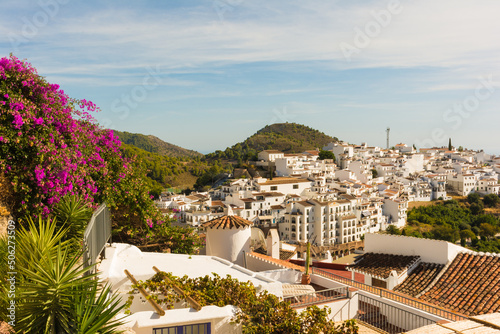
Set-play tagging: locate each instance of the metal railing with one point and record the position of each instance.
(317, 297)
(389, 318)
(96, 235)
(400, 298)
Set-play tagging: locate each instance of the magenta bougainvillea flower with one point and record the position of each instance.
(51, 146)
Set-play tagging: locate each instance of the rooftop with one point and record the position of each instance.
(282, 263)
(140, 264)
(486, 324)
(283, 180)
(470, 285)
(381, 265)
(419, 279)
(227, 222)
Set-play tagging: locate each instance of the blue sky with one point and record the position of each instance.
(207, 74)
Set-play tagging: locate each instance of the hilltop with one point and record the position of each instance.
(285, 137)
(169, 165)
(154, 144)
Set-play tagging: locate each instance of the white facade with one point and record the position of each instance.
(396, 210)
(433, 251)
(464, 184)
(339, 149)
(229, 243)
(330, 223)
(284, 185)
(270, 155)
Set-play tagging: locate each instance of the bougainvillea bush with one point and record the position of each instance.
(51, 146)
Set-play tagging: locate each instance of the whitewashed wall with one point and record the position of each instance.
(435, 251)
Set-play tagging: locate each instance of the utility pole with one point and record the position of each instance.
(388, 130)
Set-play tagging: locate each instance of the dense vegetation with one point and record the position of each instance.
(259, 313)
(51, 148)
(284, 137)
(51, 294)
(166, 172)
(155, 145)
(452, 220)
(168, 165)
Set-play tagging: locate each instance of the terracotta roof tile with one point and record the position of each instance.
(286, 254)
(227, 222)
(470, 285)
(419, 279)
(381, 265)
(284, 180)
(282, 263)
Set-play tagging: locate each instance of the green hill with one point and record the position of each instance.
(165, 171)
(155, 145)
(285, 137)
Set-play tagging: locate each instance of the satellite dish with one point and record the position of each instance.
(257, 238)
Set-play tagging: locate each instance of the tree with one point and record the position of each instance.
(473, 198)
(446, 233)
(326, 155)
(392, 229)
(491, 200)
(477, 208)
(374, 173)
(466, 235)
(450, 147)
(488, 230)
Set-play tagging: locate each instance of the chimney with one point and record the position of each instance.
(273, 243)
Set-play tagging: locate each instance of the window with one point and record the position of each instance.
(186, 329)
(274, 187)
(295, 186)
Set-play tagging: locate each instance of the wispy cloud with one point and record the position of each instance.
(430, 51)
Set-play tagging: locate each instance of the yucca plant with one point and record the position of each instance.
(52, 295)
(95, 310)
(73, 214)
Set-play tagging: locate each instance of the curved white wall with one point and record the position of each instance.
(229, 244)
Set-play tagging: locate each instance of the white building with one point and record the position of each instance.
(396, 210)
(464, 184)
(285, 185)
(270, 155)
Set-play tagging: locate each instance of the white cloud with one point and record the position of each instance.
(449, 33)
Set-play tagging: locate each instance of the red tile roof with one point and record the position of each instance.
(346, 274)
(279, 262)
(419, 279)
(227, 222)
(286, 254)
(470, 285)
(283, 180)
(381, 265)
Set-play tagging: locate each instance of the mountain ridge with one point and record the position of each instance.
(156, 145)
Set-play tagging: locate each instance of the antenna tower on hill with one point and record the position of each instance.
(388, 130)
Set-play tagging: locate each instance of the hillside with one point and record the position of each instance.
(165, 171)
(285, 137)
(154, 144)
